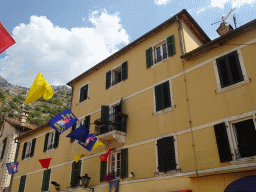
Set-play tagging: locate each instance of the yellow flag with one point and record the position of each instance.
(77, 157)
(39, 88)
(97, 144)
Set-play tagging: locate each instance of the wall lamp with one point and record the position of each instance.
(57, 186)
(131, 174)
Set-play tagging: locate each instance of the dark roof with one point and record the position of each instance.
(16, 123)
(222, 40)
(183, 14)
(32, 131)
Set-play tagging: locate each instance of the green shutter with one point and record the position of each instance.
(87, 121)
(171, 45)
(72, 129)
(24, 150)
(124, 70)
(46, 141)
(121, 105)
(166, 94)
(108, 79)
(161, 155)
(170, 160)
(56, 140)
(124, 163)
(4, 146)
(83, 93)
(22, 183)
(159, 101)
(104, 114)
(46, 180)
(222, 142)
(33, 147)
(149, 57)
(103, 170)
(75, 174)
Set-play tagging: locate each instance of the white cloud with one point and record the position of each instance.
(58, 53)
(200, 10)
(234, 3)
(161, 2)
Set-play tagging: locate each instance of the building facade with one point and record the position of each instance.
(177, 109)
(10, 129)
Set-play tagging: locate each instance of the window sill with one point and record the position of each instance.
(160, 62)
(113, 86)
(172, 172)
(242, 161)
(26, 159)
(164, 110)
(233, 86)
(83, 101)
(50, 150)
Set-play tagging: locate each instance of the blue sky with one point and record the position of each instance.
(61, 39)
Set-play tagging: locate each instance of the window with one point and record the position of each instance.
(83, 93)
(229, 69)
(160, 51)
(22, 183)
(116, 165)
(117, 75)
(4, 146)
(72, 129)
(75, 173)
(166, 154)
(240, 140)
(162, 96)
(28, 149)
(46, 180)
(51, 141)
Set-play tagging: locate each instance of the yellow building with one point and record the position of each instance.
(178, 108)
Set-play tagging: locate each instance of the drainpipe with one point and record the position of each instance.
(71, 97)
(181, 36)
(15, 159)
(190, 122)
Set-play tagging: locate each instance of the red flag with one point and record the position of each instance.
(104, 157)
(6, 39)
(45, 162)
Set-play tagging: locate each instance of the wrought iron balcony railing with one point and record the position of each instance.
(116, 121)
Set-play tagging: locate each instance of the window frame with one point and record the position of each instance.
(113, 69)
(174, 135)
(232, 137)
(49, 143)
(243, 69)
(109, 168)
(88, 83)
(28, 150)
(171, 98)
(156, 45)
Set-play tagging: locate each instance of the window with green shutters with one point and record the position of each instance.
(166, 154)
(22, 183)
(161, 51)
(75, 173)
(87, 121)
(4, 146)
(46, 180)
(115, 76)
(229, 69)
(162, 96)
(83, 93)
(51, 140)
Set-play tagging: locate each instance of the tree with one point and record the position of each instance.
(37, 108)
(16, 99)
(2, 95)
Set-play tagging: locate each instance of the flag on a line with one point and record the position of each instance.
(6, 39)
(45, 162)
(113, 186)
(98, 144)
(80, 134)
(89, 143)
(104, 157)
(78, 157)
(12, 167)
(63, 121)
(39, 88)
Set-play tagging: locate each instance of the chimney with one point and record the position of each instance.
(224, 28)
(23, 115)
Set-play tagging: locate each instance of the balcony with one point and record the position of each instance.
(113, 128)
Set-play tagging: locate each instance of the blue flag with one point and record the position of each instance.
(113, 186)
(89, 143)
(63, 121)
(12, 167)
(80, 134)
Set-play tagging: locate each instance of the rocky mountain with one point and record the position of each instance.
(40, 111)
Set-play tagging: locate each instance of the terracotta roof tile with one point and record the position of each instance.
(18, 123)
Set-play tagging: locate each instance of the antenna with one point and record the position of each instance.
(224, 17)
(234, 18)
